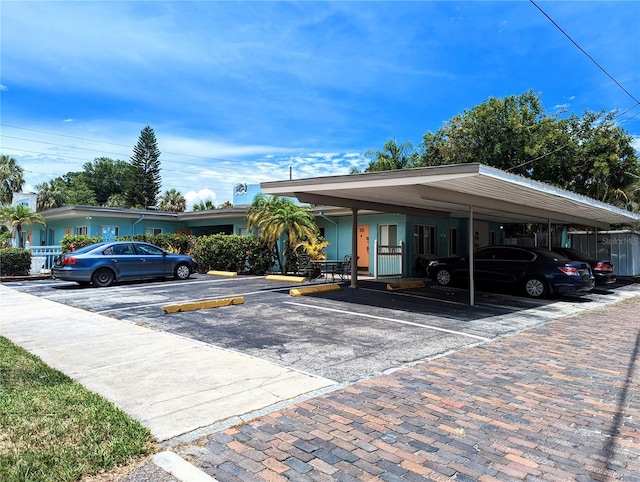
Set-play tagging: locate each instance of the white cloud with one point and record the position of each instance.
(4, 87)
(194, 197)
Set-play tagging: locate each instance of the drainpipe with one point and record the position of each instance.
(133, 226)
(336, 225)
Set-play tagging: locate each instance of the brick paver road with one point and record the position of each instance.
(558, 402)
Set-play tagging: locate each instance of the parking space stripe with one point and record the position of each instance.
(162, 303)
(384, 318)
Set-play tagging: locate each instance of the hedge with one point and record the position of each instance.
(15, 262)
(241, 254)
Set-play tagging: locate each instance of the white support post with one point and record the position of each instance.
(472, 287)
(354, 249)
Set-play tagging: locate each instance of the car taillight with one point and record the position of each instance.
(600, 266)
(69, 260)
(569, 270)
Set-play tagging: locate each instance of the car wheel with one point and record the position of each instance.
(182, 271)
(103, 277)
(443, 277)
(535, 287)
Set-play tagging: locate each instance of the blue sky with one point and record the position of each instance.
(242, 91)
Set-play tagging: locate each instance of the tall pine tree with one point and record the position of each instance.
(144, 181)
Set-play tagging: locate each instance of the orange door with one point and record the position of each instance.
(363, 246)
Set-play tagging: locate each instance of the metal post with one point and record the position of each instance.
(354, 248)
(549, 234)
(472, 287)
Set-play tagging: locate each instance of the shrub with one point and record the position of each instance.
(241, 254)
(72, 242)
(174, 243)
(15, 262)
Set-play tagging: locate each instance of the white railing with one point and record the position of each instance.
(387, 260)
(42, 257)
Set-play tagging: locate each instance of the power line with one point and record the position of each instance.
(585, 53)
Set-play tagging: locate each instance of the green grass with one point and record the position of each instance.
(53, 429)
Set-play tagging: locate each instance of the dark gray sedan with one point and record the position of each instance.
(104, 263)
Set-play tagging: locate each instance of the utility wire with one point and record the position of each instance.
(585, 53)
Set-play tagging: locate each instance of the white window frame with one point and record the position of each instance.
(152, 231)
(81, 230)
(388, 235)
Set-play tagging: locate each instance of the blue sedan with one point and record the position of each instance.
(104, 263)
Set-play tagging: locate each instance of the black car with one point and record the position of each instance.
(603, 270)
(537, 272)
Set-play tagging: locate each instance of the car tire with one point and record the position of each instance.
(536, 287)
(182, 271)
(103, 277)
(443, 277)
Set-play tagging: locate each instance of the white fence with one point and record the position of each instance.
(387, 260)
(42, 257)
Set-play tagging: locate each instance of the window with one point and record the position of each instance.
(424, 239)
(453, 241)
(109, 233)
(388, 235)
(153, 231)
(242, 231)
(82, 230)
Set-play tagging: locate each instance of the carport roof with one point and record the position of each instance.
(449, 191)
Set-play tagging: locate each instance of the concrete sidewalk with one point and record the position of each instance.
(171, 384)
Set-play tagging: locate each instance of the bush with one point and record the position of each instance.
(241, 254)
(72, 242)
(15, 262)
(177, 243)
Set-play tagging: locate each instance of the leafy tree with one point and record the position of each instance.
(204, 206)
(590, 155)
(70, 189)
(16, 216)
(275, 216)
(11, 178)
(173, 201)
(226, 205)
(392, 156)
(143, 180)
(105, 177)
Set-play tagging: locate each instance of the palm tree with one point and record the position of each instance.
(11, 178)
(392, 156)
(49, 196)
(15, 216)
(274, 216)
(204, 205)
(173, 201)
(226, 205)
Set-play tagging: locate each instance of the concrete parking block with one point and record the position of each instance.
(312, 290)
(405, 285)
(229, 274)
(293, 279)
(203, 305)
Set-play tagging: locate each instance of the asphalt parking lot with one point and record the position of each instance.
(343, 336)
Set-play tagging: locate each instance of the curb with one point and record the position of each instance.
(405, 285)
(229, 274)
(310, 290)
(281, 277)
(203, 305)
